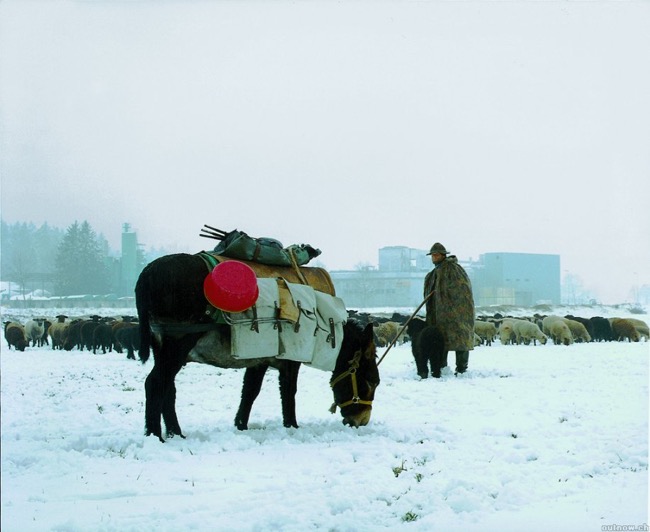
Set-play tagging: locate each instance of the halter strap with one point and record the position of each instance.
(352, 372)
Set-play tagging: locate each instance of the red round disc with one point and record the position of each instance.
(231, 286)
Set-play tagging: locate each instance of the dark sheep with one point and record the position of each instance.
(15, 335)
(126, 321)
(72, 335)
(87, 331)
(399, 318)
(103, 336)
(43, 340)
(129, 338)
(602, 329)
(428, 348)
(624, 329)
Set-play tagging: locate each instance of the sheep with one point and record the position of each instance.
(15, 335)
(506, 334)
(578, 330)
(561, 333)
(641, 327)
(556, 328)
(57, 331)
(428, 348)
(547, 321)
(129, 337)
(526, 331)
(103, 336)
(46, 327)
(124, 321)
(588, 325)
(624, 329)
(477, 340)
(386, 333)
(72, 336)
(602, 329)
(486, 330)
(87, 330)
(34, 330)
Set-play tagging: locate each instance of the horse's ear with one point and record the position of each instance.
(367, 336)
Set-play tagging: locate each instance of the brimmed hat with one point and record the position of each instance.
(438, 248)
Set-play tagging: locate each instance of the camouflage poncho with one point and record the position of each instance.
(451, 307)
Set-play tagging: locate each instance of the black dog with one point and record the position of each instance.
(428, 346)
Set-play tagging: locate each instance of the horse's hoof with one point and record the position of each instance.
(151, 433)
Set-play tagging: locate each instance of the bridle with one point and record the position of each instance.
(352, 373)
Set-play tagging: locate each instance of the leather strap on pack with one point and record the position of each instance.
(294, 263)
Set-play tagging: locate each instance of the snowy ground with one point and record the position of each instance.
(532, 438)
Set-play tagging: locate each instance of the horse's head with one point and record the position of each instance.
(355, 377)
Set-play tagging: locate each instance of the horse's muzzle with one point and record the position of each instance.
(358, 419)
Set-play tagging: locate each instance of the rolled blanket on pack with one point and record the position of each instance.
(238, 245)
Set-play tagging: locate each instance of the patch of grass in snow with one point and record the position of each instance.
(397, 471)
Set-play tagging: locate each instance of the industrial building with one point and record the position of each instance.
(521, 279)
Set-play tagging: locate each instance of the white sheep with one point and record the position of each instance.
(526, 331)
(386, 333)
(34, 330)
(578, 330)
(506, 333)
(486, 330)
(556, 328)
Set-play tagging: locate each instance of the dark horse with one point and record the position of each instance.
(428, 347)
(173, 322)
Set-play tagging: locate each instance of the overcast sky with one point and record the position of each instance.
(488, 126)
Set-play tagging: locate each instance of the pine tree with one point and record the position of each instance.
(80, 262)
(28, 253)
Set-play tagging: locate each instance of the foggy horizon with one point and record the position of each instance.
(516, 127)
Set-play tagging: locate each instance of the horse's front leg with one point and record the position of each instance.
(288, 388)
(253, 379)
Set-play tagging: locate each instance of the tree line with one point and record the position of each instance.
(64, 262)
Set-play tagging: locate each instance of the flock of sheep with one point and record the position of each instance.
(561, 330)
(121, 333)
(93, 333)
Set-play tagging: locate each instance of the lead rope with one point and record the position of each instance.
(404, 327)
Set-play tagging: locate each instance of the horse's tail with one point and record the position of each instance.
(142, 304)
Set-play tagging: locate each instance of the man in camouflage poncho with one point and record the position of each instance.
(451, 305)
